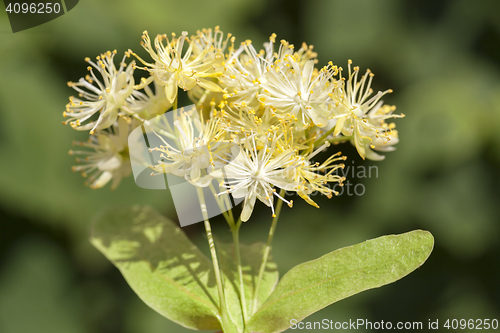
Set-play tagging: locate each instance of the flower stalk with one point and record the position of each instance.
(236, 240)
(265, 255)
(226, 322)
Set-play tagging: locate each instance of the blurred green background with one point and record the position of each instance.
(441, 58)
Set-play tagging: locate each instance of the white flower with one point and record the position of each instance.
(317, 177)
(381, 142)
(190, 146)
(107, 158)
(205, 99)
(148, 104)
(304, 54)
(299, 91)
(174, 69)
(244, 70)
(213, 40)
(104, 98)
(255, 172)
(244, 119)
(360, 115)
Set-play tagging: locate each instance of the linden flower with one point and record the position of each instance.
(315, 176)
(173, 70)
(206, 39)
(304, 54)
(244, 119)
(381, 142)
(108, 158)
(190, 146)
(255, 172)
(205, 99)
(246, 67)
(104, 98)
(244, 70)
(147, 104)
(293, 90)
(359, 114)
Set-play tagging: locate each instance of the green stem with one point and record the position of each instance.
(227, 325)
(228, 217)
(266, 252)
(211, 244)
(174, 107)
(324, 136)
(340, 139)
(230, 211)
(202, 100)
(235, 229)
(236, 239)
(332, 140)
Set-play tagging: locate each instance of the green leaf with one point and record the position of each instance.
(316, 284)
(160, 264)
(251, 257)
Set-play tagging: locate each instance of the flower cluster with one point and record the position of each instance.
(109, 105)
(276, 108)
